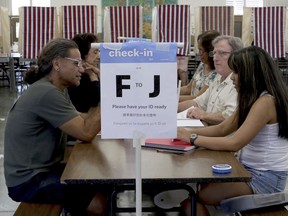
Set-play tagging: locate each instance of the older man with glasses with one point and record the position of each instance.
(219, 101)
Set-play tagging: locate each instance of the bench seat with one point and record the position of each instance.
(267, 211)
(36, 209)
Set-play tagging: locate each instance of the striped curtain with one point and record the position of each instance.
(174, 25)
(123, 21)
(269, 30)
(78, 19)
(38, 25)
(220, 18)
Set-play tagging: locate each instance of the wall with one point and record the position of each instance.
(269, 3)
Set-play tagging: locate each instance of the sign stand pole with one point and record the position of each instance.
(138, 141)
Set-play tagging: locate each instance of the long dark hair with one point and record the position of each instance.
(258, 72)
(55, 48)
(84, 42)
(205, 40)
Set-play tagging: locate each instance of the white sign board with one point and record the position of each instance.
(138, 89)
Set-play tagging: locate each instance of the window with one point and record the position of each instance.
(21, 3)
(239, 4)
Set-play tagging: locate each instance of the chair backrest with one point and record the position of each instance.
(76, 19)
(122, 21)
(253, 201)
(172, 24)
(37, 25)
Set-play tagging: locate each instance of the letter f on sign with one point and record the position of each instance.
(120, 86)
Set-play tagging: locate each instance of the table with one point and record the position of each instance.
(112, 162)
(9, 58)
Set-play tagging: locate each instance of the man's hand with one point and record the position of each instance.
(197, 113)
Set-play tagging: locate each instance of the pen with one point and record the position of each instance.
(169, 151)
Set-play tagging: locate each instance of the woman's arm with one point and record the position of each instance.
(186, 89)
(262, 112)
(224, 128)
(190, 97)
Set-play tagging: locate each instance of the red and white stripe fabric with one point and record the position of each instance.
(78, 19)
(122, 21)
(269, 30)
(174, 25)
(38, 27)
(219, 18)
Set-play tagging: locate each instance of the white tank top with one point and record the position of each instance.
(267, 151)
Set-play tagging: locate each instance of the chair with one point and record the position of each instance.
(122, 21)
(76, 19)
(4, 78)
(253, 201)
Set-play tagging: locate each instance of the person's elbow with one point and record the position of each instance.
(76, 128)
(234, 145)
(87, 137)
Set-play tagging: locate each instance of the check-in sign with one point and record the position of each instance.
(138, 89)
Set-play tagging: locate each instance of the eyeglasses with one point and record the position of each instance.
(201, 50)
(79, 62)
(219, 53)
(96, 51)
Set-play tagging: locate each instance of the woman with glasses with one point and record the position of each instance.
(36, 128)
(87, 94)
(258, 128)
(205, 72)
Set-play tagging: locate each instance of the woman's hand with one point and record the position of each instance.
(183, 134)
(92, 71)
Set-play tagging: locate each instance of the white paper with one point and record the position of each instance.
(182, 115)
(189, 123)
(183, 121)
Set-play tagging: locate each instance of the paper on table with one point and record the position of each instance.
(182, 115)
(189, 123)
(183, 121)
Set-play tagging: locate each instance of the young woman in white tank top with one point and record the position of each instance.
(258, 128)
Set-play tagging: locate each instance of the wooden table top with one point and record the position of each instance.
(113, 162)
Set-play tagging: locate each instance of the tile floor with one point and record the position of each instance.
(8, 207)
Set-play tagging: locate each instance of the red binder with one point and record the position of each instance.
(171, 144)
